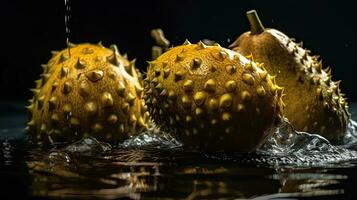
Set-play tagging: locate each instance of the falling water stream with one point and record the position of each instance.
(67, 17)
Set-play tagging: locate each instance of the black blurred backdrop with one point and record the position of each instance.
(30, 29)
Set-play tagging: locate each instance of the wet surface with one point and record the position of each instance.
(157, 167)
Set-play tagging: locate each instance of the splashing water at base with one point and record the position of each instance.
(153, 138)
(287, 146)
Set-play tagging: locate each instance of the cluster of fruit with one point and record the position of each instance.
(207, 96)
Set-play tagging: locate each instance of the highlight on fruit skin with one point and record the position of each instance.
(93, 92)
(212, 98)
(314, 103)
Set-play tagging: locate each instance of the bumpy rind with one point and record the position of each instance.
(314, 103)
(212, 98)
(93, 91)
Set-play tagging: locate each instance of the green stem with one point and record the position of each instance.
(256, 26)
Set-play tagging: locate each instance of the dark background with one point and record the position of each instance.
(30, 29)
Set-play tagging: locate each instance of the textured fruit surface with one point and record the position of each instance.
(93, 91)
(212, 98)
(314, 103)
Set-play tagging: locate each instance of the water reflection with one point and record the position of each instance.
(145, 174)
(6, 152)
(119, 175)
(310, 182)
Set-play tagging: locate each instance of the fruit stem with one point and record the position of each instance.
(256, 26)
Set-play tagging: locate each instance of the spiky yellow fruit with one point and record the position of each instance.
(212, 98)
(93, 91)
(314, 103)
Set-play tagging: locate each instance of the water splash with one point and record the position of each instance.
(150, 139)
(350, 139)
(58, 158)
(88, 146)
(287, 146)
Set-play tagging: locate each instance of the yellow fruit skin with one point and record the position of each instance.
(93, 92)
(314, 103)
(212, 98)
